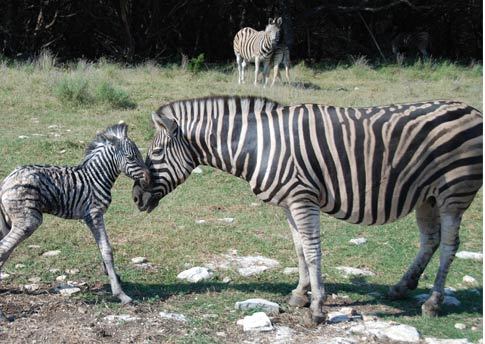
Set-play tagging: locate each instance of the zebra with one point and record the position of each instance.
(78, 192)
(258, 46)
(367, 166)
(403, 42)
(280, 56)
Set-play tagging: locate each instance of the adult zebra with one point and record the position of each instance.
(405, 41)
(79, 192)
(362, 165)
(258, 46)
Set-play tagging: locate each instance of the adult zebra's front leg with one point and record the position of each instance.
(95, 223)
(306, 218)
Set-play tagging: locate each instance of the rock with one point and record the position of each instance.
(253, 265)
(358, 241)
(252, 270)
(290, 271)
(145, 266)
(195, 274)
(200, 222)
(348, 271)
(72, 271)
(68, 290)
(460, 326)
(139, 260)
(173, 316)
(254, 204)
(23, 137)
(337, 317)
(341, 340)
(34, 246)
(61, 278)
(51, 253)
(76, 284)
(432, 340)
(227, 219)
(19, 266)
(387, 330)
(226, 280)
(120, 318)
(282, 335)
(221, 334)
(34, 279)
(259, 322)
(470, 255)
(4, 275)
(369, 317)
(31, 287)
(469, 280)
(265, 305)
(448, 299)
(197, 170)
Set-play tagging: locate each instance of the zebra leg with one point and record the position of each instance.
(20, 230)
(450, 225)
(239, 67)
(428, 220)
(299, 296)
(256, 70)
(307, 220)
(265, 73)
(96, 225)
(287, 72)
(243, 67)
(276, 73)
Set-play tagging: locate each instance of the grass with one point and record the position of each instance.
(59, 109)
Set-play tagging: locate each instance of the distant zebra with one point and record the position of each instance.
(258, 46)
(404, 42)
(363, 165)
(280, 56)
(79, 192)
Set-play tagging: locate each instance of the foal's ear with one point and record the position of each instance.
(163, 121)
(279, 21)
(270, 21)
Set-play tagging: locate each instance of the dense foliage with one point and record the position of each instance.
(133, 30)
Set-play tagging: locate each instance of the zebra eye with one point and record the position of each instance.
(157, 151)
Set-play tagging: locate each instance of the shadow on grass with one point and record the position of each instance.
(471, 301)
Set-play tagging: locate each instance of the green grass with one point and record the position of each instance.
(60, 109)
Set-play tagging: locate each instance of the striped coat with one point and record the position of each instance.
(362, 165)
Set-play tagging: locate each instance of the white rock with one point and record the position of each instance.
(341, 340)
(120, 318)
(226, 280)
(34, 279)
(387, 330)
(290, 271)
(227, 219)
(432, 340)
(72, 271)
(460, 326)
(259, 321)
(54, 270)
(34, 246)
(348, 311)
(31, 287)
(173, 316)
(470, 255)
(51, 253)
(254, 204)
(61, 278)
(450, 291)
(358, 241)
(337, 317)
(139, 260)
(469, 279)
(200, 222)
(348, 271)
(252, 270)
(68, 291)
(76, 283)
(265, 305)
(195, 274)
(4, 275)
(221, 334)
(23, 137)
(197, 170)
(19, 266)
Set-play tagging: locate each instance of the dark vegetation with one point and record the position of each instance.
(181, 30)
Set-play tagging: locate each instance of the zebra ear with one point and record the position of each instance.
(279, 21)
(270, 21)
(163, 122)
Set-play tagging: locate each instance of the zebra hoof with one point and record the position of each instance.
(430, 309)
(312, 320)
(398, 292)
(125, 299)
(299, 300)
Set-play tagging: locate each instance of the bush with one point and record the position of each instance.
(196, 64)
(117, 98)
(73, 89)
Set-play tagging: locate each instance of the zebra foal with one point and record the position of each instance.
(79, 192)
(366, 166)
(256, 46)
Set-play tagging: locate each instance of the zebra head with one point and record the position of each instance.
(169, 160)
(126, 154)
(273, 30)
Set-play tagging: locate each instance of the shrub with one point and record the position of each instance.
(196, 64)
(117, 98)
(73, 89)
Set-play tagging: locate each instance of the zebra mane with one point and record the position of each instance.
(109, 136)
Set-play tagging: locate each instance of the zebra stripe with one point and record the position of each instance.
(363, 165)
(256, 46)
(79, 192)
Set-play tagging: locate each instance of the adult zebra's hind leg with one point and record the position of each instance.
(450, 225)
(299, 296)
(428, 220)
(306, 217)
(240, 70)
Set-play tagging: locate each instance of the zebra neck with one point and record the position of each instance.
(101, 169)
